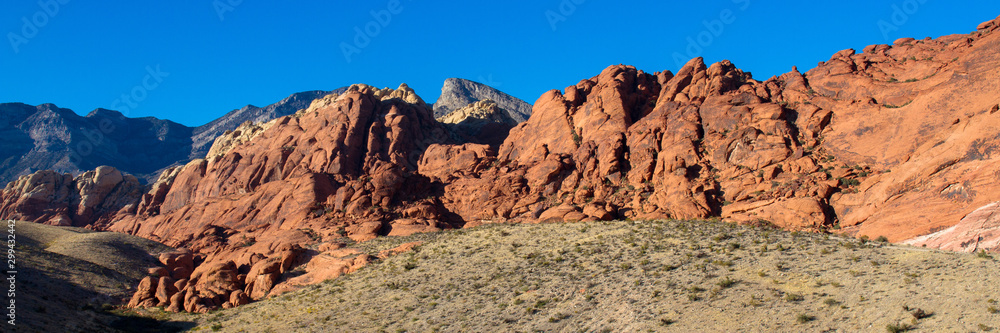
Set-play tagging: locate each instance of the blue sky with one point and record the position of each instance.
(192, 61)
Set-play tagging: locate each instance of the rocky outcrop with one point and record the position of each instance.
(346, 166)
(459, 93)
(920, 113)
(897, 141)
(91, 199)
(242, 134)
(204, 136)
(627, 144)
(482, 122)
(978, 231)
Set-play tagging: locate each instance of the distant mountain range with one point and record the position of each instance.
(46, 137)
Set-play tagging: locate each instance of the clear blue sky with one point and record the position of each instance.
(88, 53)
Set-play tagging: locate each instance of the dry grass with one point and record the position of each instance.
(69, 279)
(631, 276)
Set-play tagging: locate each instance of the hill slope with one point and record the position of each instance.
(682, 276)
(69, 277)
(47, 137)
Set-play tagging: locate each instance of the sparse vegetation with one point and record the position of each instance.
(676, 274)
(983, 255)
(891, 106)
(898, 327)
(793, 297)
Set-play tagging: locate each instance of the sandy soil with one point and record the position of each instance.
(671, 276)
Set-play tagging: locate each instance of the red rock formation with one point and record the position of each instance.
(345, 166)
(92, 198)
(919, 113)
(978, 231)
(897, 141)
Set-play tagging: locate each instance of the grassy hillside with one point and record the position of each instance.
(69, 279)
(638, 276)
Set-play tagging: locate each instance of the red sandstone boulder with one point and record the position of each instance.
(92, 198)
(402, 248)
(145, 294)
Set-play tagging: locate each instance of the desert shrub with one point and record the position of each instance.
(898, 327)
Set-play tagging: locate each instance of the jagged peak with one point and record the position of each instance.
(989, 25)
(101, 112)
(485, 110)
(403, 93)
(693, 66)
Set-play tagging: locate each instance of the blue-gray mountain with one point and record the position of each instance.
(459, 93)
(46, 137)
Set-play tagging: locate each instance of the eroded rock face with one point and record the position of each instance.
(919, 112)
(627, 144)
(344, 167)
(897, 141)
(91, 199)
(978, 231)
(204, 137)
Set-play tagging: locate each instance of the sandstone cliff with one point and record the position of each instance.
(88, 200)
(204, 135)
(896, 141)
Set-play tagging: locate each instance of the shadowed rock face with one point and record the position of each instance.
(482, 122)
(858, 145)
(458, 93)
(50, 138)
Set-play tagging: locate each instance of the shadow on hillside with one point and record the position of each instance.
(150, 325)
(59, 293)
